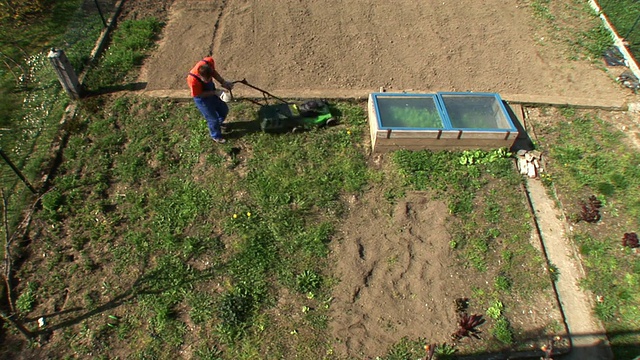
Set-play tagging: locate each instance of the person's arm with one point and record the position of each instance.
(225, 84)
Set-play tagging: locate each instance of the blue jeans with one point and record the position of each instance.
(214, 111)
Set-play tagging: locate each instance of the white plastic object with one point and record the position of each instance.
(226, 96)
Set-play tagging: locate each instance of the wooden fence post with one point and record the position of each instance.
(66, 74)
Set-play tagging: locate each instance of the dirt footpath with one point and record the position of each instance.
(295, 47)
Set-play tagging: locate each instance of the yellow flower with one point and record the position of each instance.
(348, 132)
(235, 216)
(248, 214)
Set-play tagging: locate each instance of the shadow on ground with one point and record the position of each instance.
(600, 351)
(523, 142)
(137, 86)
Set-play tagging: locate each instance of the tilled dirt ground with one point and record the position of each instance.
(326, 46)
(399, 278)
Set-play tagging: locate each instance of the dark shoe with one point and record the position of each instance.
(224, 126)
(220, 140)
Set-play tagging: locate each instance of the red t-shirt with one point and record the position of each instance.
(195, 84)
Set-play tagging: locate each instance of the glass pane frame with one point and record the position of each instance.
(379, 99)
(440, 104)
(498, 109)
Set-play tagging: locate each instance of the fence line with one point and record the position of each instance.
(617, 40)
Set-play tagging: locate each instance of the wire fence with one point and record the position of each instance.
(625, 17)
(31, 99)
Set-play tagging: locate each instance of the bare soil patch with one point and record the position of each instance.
(399, 278)
(397, 275)
(296, 47)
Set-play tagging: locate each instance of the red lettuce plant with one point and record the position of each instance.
(467, 326)
(630, 240)
(590, 211)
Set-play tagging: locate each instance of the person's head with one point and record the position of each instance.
(205, 71)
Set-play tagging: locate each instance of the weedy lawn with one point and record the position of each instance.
(589, 155)
(155, 241)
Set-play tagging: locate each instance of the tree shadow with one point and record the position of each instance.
(145, 284)
(137, 86)
(566, 350)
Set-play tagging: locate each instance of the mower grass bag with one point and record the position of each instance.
(285, 117)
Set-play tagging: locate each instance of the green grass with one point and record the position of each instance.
(31, 101)
(593, 158)
(198, 244)
(211, 235)
(131, 42)
(574, 25)
(157, 216)
(624, 16)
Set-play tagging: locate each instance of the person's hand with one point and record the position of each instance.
(228, 85)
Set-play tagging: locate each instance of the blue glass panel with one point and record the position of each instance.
(408, 111)
(475, 111)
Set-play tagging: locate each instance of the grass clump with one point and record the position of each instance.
(594, 158)
(27, 299)
(624, 15)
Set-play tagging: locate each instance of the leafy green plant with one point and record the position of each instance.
(445, 351)
(27, 298)
(235, 310)
(308, 281)
(471, 157)
(502, 282)
(53, 205)
(495, 310)
(502, 331)
(405, 349)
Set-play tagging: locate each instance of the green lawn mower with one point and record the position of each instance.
(284, 116)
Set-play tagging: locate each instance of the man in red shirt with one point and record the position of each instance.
(205, 96)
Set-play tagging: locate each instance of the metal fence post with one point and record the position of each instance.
(66, 74)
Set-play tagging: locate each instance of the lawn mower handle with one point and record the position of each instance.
(264, 92)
